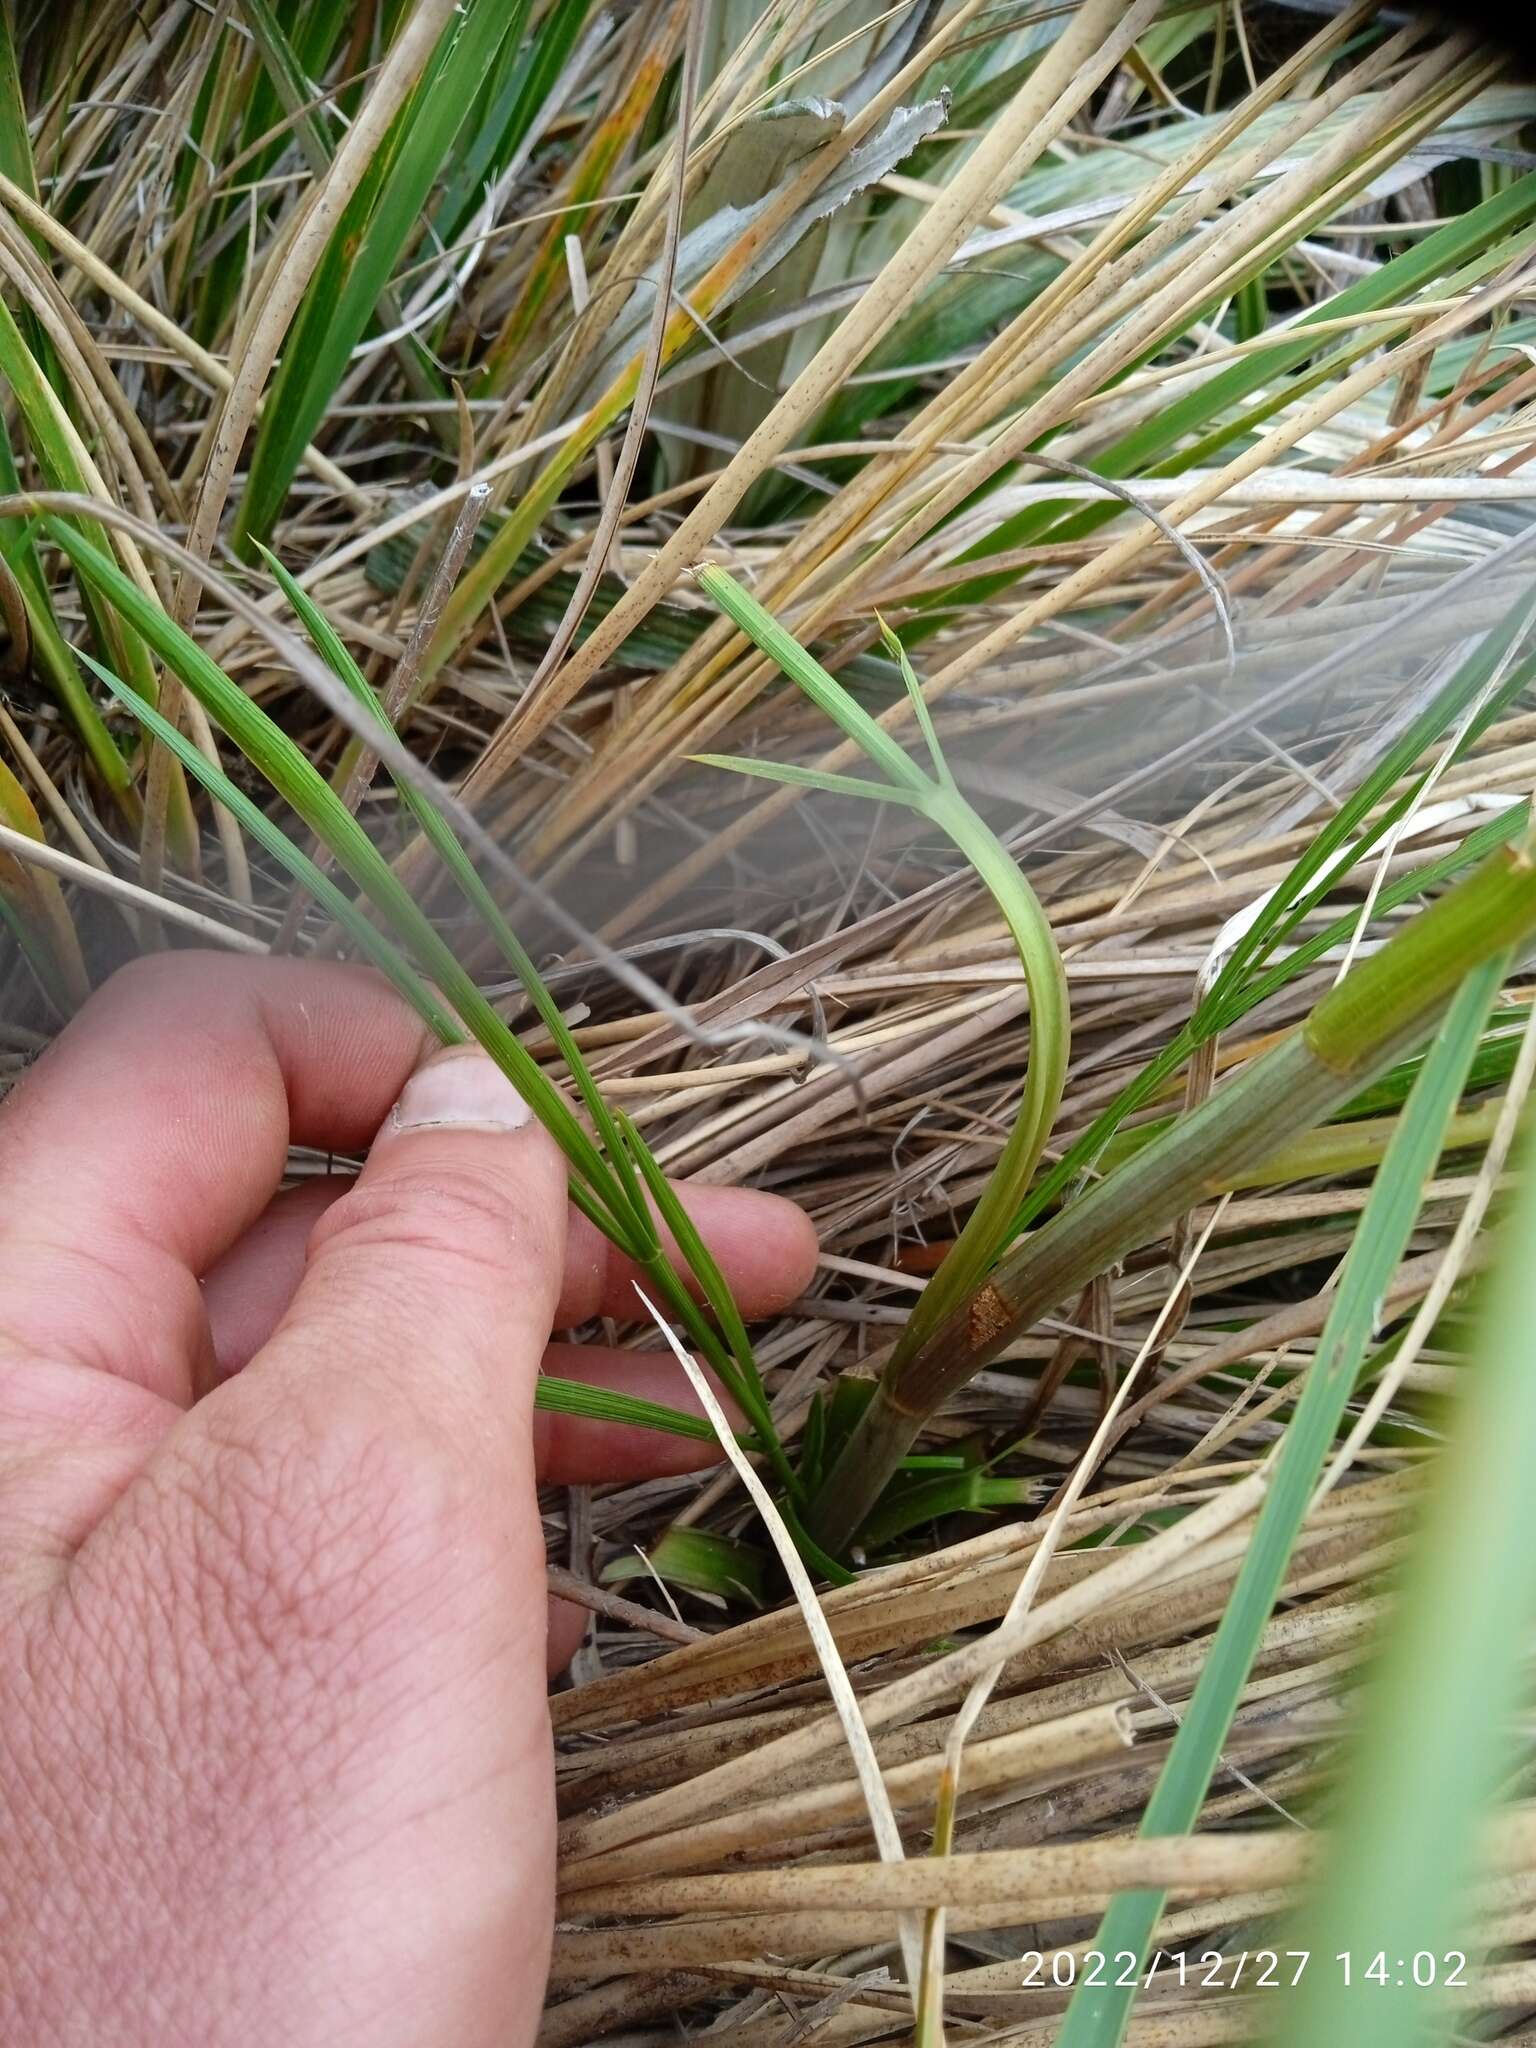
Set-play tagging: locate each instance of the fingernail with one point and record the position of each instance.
(459, 1091)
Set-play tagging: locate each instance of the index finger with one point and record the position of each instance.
(156, 1129)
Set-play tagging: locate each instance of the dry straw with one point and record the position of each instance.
(1115, 420)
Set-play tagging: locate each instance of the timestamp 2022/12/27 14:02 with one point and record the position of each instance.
(1263, 1969)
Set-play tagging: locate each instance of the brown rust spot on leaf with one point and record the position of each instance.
(988, 1317)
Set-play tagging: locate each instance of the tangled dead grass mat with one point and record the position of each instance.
(1165, 375)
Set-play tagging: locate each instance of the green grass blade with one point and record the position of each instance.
(1317, 870)
(908, 1507)
(744, 1383)
(43, 413)
(53, 653)
(1097, 2015)
(824, 691)
(1459, 253)
(558, 1396)
(918, 701)
(701, 1562)
(1417, 882)
(1474, 849)
(293, 45)
(989, 1228)
(989, 1225)
(383, 219)
(337, 657)
(296, 780)
(255, 821)
(1439, 1738)
(15, 143)
(287, 83)
(566, 1397)
(531, 64)
(624, 1149)
(804, 778)
(1244, 982)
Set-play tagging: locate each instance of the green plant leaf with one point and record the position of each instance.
(1097, 2015)
(255, 821)
(740, 1374)
(290, 772)
(1203, 423)
(622, 1194)
(527, 71)
(990, 1223)
(624, 1148)
(1243, 982)
(557, 1396)
(824, 691)
(383, 218)
(1318, 869)
(1438, 1741)
(911, 1504)
(918, 701)
(699, 1561)
(804, 778)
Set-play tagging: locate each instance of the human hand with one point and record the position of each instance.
(274, 1755)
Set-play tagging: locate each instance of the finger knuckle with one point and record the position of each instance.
(150, 977)
(462, 1217)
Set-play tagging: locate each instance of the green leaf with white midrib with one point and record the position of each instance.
(1086, 1150)
(1497, 832)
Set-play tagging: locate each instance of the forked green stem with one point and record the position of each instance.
(1384, 1008)
(991, 1223)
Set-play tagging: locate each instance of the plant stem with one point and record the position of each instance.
(989, 1226)
(1381, 1010)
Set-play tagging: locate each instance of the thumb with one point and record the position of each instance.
(430, 1287)
(343, 1645)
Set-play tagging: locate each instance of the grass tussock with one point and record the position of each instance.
(1070, 465)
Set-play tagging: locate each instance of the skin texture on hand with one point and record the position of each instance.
(274, 1754)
